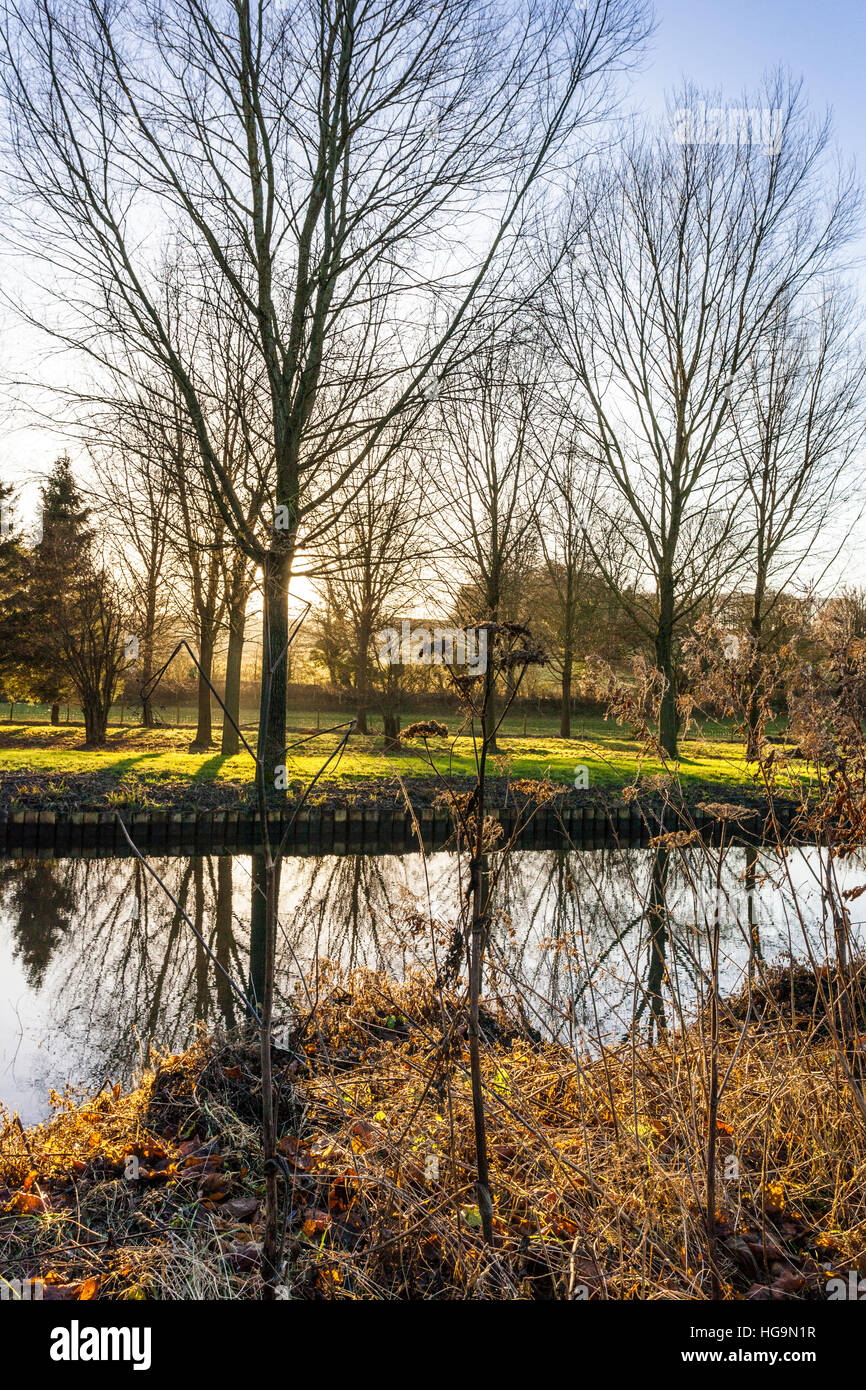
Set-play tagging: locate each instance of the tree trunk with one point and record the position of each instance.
(362, 688)
(271, 748)
(753, 679)
(237, 625)
(147, 653)
(753, 721)
(273, 692)
(490, 701)
(665, 663)
(95, 723)
(55, 712)
(204, 727)
(565, 712)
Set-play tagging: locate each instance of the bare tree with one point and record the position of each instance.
(578, 596)
(170, 514)
(799, 419)
(316, 154)
(371, 563)
(132, 497)
(86, 633)
(493, 463)
(672, 267)
(237, 584)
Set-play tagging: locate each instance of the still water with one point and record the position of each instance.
(97, 964)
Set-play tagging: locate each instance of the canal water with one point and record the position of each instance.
(98, 964)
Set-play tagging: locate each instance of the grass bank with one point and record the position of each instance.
(41, 764)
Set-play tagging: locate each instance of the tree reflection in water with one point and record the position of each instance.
(585, 944)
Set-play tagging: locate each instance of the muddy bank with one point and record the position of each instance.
(529, 814)
(99, 791)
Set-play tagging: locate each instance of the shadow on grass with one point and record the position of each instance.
(209, 770)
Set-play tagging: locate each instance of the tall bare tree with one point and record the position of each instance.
(342, 169)
(494, 461)
(132, 496)
(580, 594)
(673, 264)
(799, 419)
(371, 563)
(170, 515)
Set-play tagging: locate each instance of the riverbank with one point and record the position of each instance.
(597, 1168)
(530, 815)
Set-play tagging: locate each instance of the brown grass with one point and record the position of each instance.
(597, 1166)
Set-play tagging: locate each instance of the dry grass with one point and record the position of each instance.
(597, 1167)
(138, 1194)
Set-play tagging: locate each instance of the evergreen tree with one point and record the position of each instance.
(74, 617)
(12, 602)
(62, 554)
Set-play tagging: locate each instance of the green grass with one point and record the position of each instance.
(611, 756)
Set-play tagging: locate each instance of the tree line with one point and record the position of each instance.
(366, 301)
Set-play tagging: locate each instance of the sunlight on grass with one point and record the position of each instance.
(160, 755)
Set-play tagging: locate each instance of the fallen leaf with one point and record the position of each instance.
(242, 1208)
(213, 1186)
(365, 1133)
(317, 1222)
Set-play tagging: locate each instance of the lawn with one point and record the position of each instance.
(136, 757)
(182, 718)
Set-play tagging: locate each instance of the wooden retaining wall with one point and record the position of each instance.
(339, 829)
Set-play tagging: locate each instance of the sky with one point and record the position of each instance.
(732, 43)
(727, 44)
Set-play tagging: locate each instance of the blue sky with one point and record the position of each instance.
(732, 43)
(716, 44)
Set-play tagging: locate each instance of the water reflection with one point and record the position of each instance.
(97, 965)
(41, 904)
